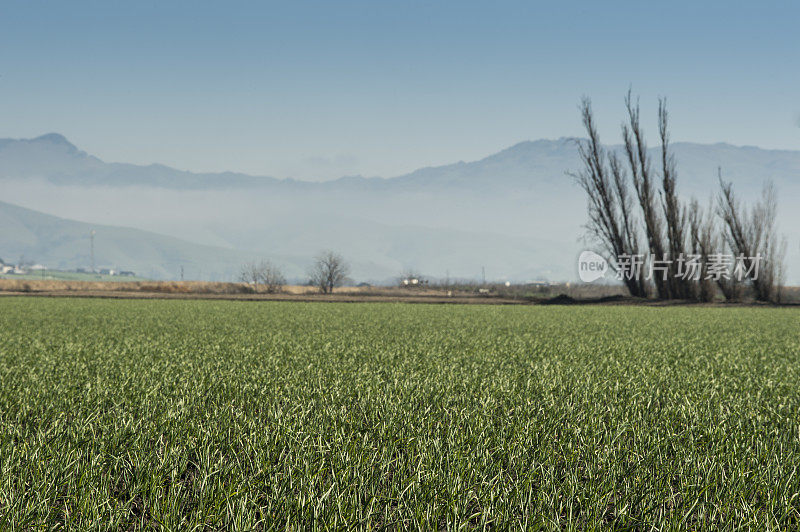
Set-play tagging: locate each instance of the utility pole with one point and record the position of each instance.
(483, 274)
(181, 272)
(91, 239)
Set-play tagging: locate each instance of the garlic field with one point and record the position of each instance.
(189, 415)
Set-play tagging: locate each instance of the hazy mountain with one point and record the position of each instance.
(516, 212)
(65, 244)
(53, 158)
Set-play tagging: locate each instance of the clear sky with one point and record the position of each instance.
(316, 90)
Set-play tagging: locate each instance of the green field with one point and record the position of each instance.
(235, 415)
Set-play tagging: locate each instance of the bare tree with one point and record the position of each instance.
(681, 237)
(641, 174)
(611, 219)
(263, 273)
(669, 232)
(272, 277)
(250, 273)
(329, 271)
(705, 239)
(752, 238)
(777, 259)
(674, 213)
(772, 246)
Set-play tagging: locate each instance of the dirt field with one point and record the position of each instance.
(239, 291)
(562, 294)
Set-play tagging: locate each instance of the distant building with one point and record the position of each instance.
(125, 273)
(537, 283)
(108, 271)
(412, 282)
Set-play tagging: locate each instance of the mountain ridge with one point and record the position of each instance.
(495, 212)
(88, 170)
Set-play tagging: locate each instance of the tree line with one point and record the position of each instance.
(328, 271)
(636, 214)
(635, 211)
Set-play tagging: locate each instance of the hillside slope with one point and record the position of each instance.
(65, 244)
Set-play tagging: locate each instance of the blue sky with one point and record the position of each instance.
(320, 89)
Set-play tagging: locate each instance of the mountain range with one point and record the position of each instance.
(516, 213)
